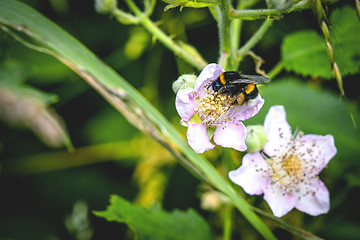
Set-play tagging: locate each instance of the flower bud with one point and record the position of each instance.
(105, 6)
(255, 138)
(183, 82)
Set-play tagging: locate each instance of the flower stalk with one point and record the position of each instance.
(227, 222)
(224, 22)
(191, 57)
(254, 39)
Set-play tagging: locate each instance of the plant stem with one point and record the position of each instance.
(253, 14)
(224, 34)
(235, 34)
(254, 39)
(236, 25)
(227, 222)
(284, 225)
(275, 70)
(192, 57)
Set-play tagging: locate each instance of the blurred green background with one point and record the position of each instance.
(48, 192)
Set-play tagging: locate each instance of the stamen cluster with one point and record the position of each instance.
(214, 107)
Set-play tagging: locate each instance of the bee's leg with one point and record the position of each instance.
(223, 89)
(240, 98)
(215, 86)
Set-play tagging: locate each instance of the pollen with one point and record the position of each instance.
(214, 108)
(289, 169)
(293, 166)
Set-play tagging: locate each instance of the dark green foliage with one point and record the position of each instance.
(36, 206)
(155, 223)
(304, 52)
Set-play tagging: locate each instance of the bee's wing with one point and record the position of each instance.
(252, 79)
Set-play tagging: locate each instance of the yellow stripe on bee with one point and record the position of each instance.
(222, 79)
(249, 88)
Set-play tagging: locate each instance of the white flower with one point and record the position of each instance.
(288, 178)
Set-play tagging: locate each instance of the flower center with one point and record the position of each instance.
(214, 107)
(288, 170)
(292, 166)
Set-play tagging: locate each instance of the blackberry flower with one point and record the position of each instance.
(288, 173)
(209, 114)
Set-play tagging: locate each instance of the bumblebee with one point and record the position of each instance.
(241, 87)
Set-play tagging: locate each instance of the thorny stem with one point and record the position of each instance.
(253, 14)
(194, 59)
(320, 13)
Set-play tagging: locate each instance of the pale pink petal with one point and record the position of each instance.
(247, 110)
(210, 73)
(278, 131)
(232, 135)
(279, 201)
(198, 138)
(184, 104)
(316, 151)
(253, 175)
(314, 198)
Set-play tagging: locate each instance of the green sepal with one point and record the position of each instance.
(195, 119)
(183, 82)
(210, 131)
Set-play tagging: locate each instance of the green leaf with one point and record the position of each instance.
(156, 223)
(305, 51)
(345, 33)
(42, 69)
